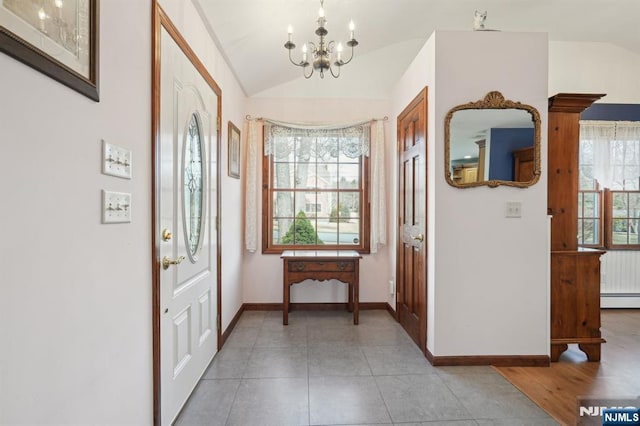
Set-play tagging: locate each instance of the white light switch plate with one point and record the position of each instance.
(116, 161)
(514, 209)
(116, 207)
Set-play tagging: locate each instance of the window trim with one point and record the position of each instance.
(267, 212)
(600, 218)
(609, 244)
(606, 221)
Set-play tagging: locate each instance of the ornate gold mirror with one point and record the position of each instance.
(492, 142)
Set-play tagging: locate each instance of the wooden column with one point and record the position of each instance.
(482, 153)
(564, 141)
(575, 274)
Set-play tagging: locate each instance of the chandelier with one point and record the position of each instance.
(322, 52)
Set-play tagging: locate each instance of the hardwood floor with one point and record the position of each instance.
(555, 388)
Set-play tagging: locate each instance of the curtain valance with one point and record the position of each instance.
(352, 141)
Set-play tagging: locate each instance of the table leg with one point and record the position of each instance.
(285, 304)
(350, 299)
(356, 302)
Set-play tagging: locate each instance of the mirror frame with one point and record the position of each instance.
(493, 100)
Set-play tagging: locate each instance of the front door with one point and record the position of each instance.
(186, 211)
(411, 299)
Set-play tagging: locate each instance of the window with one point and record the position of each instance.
(589, 218)
(589, 199)
(609, 185)
(316, 189)
(313, 208)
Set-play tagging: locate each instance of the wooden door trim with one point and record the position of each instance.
(158, 21)
(421, 96)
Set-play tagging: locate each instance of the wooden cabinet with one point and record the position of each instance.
(523, 164)
(575, 302)
(464, 173)
(575, 274)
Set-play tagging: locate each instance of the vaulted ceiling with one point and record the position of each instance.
(251, 34)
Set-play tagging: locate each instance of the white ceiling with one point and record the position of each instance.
(251, 34)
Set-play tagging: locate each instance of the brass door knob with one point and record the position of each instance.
(166, 262)
(418, 237)
(166, 235)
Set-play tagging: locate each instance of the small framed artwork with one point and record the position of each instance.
(59, 38)
(234, 151)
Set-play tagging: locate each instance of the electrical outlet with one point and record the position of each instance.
(116, 207)
(514, 209)
(391, 286)
(116, 161)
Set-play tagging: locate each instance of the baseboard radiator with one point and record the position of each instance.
(620, 279)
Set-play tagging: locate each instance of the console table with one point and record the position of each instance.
(321, 265)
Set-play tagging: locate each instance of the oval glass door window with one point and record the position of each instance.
(193, 191)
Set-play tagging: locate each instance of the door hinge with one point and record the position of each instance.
(218, 125)
(218, 322)
(217, 223)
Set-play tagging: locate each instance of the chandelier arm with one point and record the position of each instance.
(305, 73)
(350, 57)
(333, 74)
(297, 64)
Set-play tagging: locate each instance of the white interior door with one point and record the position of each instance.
(188, 208)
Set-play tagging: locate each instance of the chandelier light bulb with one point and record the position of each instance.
(339, 50)
(58, 4)
(42, 14)
(289, 30)
(321, 12)
(352, 26)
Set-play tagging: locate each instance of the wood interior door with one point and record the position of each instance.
(411, 294)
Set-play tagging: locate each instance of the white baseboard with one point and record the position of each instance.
(620, 301)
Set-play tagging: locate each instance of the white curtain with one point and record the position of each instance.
(625, 152)
(251, 186)
(378, 189)
(616, 151)
(374, 147)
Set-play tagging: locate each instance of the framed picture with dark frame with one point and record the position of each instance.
(59, 38)
(234, 151)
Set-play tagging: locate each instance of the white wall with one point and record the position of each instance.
(75, 311)
(594, 68)
(487, 274)
(262, 279)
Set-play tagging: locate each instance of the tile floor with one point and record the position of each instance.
(323, 370)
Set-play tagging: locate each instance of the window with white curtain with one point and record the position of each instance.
(609, 188)
(315, 188)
